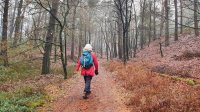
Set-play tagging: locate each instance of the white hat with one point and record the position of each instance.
(88, 47)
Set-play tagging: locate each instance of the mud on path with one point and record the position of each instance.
(106, 96)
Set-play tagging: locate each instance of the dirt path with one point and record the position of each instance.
(105, 97)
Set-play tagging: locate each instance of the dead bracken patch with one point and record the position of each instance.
(187, 55)
(166, 69)
(151, 92)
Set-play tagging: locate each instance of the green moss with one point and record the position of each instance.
(35, 103)
(23, 100)
(190, 82)
(177, 78)
(19, 71)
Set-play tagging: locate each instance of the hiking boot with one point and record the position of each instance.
(89, 92)
(85, 96)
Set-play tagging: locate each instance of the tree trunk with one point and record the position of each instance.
(17, 23)
(136, 33)
(55, 47)
(162, 18)
(115, 43)
(181, 20)
(80, 39)
(119, 26)
(12, 24)
(154, 21)
(73, 33)
(167, 23)
(85, 31)
(142, 24)
(196, 18)
(176, 21)
(101, 41)
(150, 5)
(49, 38)
(4, 34)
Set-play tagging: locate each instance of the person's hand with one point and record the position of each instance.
(96, 72)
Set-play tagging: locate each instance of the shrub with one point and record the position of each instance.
(150, 92)
(187, 55)
(19, 71)
(23, 100)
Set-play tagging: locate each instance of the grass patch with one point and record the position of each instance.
(19, 71)
(190, 82)
(59, 70)
(23, 100)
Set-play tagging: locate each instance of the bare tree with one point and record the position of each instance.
(4, 33)
(154, 20)
(49, 38)
(136, 31)
(124, 8)
(196, 17)
(142, 10)
(150, 21)
(181, 16)
(176, 21)
(18, 23)
(75, 4)
(13, 19)
(62, 24)
(167, 23)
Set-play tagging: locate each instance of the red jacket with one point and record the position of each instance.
(90, 71)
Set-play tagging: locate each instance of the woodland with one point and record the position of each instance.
(148, 52)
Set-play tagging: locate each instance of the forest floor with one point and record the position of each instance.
(148, 83)
(107, 95)
(163, 84)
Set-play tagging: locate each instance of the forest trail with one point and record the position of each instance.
(105, 97)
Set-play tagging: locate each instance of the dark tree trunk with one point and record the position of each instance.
(49, 38)
(176, 21)
(142, 24)
(107, 54)
(162, 18)
(136, 33)
(13, 20)
(17, 23)
(181, 20)
(37, 28)
(80, 39)
(101, 41)
(55, 47)
(167, 23)
(196, 18)
(4, 33)
(85, 34)
(119, 26)
(150, 5)
(73, 34)
(154, 21)
(115, 43)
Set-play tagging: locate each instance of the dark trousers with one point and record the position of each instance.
(87, 83)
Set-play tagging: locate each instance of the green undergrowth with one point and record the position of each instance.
(59, 70)
(19, 71)
(22, 100)
(20, 50)
(191, 82)
(188, 81)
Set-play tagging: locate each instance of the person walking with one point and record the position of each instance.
(89, 66)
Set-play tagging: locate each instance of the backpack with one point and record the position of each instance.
(86, 60)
